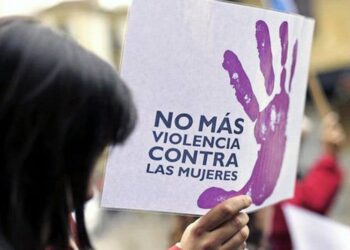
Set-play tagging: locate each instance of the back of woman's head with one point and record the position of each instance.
(60, 106)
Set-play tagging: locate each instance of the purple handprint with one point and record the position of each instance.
(270, 123)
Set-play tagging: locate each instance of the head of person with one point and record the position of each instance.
(60, 106)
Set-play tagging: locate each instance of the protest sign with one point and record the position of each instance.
(311, 231)
(220, 91)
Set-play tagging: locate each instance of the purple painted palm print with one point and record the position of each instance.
(270, 122)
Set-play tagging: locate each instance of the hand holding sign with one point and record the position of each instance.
(223, 227)
(270, 123)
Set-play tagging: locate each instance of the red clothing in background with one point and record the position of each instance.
(316, 192)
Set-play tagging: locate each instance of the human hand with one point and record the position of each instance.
(222, 228)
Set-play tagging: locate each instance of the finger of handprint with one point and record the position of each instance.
(283, 79)
(284, 53)
(284, 42)
(294, 62)
(240, 81)
(265, 55)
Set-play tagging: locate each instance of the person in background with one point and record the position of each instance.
(60, 107)
(317, 190)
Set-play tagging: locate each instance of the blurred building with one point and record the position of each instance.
(331, 48)
(95, 28)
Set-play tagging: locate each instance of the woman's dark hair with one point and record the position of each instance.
(60, 106)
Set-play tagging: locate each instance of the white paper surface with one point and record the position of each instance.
(310, 231)
(200, 72)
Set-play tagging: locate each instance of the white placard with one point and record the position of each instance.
(310, 231)
(220, 91)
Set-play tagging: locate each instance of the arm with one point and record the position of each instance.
(318, 189)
